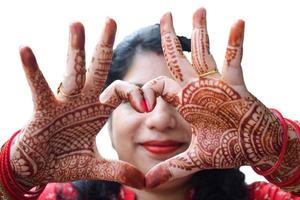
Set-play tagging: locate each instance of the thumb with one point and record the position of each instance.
(118, 171)
(177, 167)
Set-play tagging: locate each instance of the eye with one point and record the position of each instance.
(125, 102)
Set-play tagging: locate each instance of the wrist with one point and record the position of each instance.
(13, 163)
(277, 134)
(8, 179)
(274, 143)
(288, 174)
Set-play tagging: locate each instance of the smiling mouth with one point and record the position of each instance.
(162, 147)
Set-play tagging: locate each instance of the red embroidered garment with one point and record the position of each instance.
(257, 191)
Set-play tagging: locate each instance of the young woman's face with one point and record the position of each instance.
(145, 139)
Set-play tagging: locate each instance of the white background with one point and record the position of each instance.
(271, 48)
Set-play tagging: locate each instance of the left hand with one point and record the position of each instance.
(230, 127)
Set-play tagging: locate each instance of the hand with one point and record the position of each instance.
(230, 127)
(58, 144)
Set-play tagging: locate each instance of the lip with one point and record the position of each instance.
(162, 147)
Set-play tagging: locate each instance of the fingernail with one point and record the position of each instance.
(237, 33)
(166, 22)
(77, 35)
(199, 18)
(27, 58)
(132, 177)
(157, 177)
(202, 16)
(109, 31)
(150, 98)
(145, 105)
(135, 98)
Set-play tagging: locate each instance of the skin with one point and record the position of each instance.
(221, 144)
(58, 144)
(224, 116)
(162, 123)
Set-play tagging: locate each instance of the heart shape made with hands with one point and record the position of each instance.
(58, 144)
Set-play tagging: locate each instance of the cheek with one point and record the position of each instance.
(185, 126)
(125, 124)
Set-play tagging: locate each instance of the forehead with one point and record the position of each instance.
(146, 66)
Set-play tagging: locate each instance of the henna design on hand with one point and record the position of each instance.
(173, 53)
(230, 127)
(75, 71)
(79, 63)
(234, 47)
(100, 74)
(170, 55)
(202, 60)
(227, 128)
(58, 144)
(291, 159)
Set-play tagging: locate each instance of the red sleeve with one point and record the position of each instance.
(63, 189)
(263, 190)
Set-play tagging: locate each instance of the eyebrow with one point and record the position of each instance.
(138, 84)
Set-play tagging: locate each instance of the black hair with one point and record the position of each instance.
(97, 190)
(215, 184)
(145, 39)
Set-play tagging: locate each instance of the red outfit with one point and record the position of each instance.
(257, 191)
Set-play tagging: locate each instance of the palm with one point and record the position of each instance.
(58, 144)
(64, 135)
(222, 113)
(215, 112)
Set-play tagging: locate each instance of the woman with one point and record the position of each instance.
(58, 145)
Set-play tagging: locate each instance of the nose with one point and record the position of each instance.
(162, 117)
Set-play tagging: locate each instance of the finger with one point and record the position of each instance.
(42, 95)
(178, 64)
(90, 168)
(161, 86)
(118, 171)
(177, 167)
(232, 71)
(99, 68)
(202, 60)
(74, 77)
(120, 91)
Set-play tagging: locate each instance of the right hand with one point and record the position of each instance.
(59, 142)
